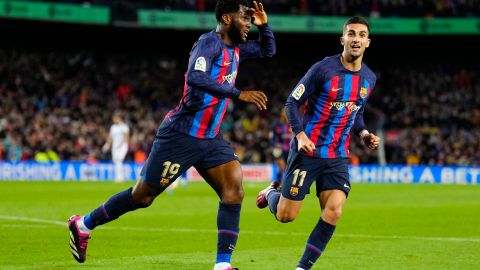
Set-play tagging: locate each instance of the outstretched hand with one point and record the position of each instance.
(258, 14)
(256, 97)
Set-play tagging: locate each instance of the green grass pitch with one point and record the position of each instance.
(383, 227)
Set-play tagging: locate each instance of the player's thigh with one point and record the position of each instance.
(334, 176)
(220, 167)
(332, 199)
(225, 179)
(171, 155)
(300, 173)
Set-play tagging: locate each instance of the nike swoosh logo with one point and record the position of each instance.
(227, 63)
(345, 185)
(336, 89)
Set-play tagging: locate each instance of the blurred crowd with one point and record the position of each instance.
(432, 114)
(371, 8)
(63, 102)
(60, 104)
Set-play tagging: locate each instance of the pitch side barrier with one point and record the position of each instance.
(81, 171)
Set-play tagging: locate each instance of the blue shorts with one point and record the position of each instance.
(302, 171)
(173, 153)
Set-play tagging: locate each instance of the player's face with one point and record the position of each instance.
(116, 119)
(355, 39)
(240, 25)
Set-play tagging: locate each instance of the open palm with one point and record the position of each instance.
(258, 13)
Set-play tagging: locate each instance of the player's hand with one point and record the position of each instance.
(305, 145)
(256, 97)
(371, 141)
(258, 14)
(105, 148)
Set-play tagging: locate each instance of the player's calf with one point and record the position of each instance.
(285, 216)
(287, 209)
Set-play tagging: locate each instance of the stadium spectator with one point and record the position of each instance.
(118, 140)
(2, 150)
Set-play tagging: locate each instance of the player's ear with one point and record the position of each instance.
(368, 43)
(342, 40)
(227, 19)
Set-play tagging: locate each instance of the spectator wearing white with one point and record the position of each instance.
(118, 141)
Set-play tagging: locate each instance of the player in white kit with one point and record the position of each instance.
(118, 141)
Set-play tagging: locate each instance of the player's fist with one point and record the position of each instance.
(256, 97)
(305, 145)
(258, 14)
(371, 141)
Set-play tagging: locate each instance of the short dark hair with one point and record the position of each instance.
(228, 6)
(356, 19)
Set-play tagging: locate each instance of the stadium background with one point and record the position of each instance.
(64, 73)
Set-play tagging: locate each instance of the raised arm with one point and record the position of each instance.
(265, 45)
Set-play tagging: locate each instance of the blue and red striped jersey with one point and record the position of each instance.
(334, 99)
(210, 82)
(282, 135)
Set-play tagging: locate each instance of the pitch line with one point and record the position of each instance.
(189, 230)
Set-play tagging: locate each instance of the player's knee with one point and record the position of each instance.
(286, 216)
(143, 201)
(233, 195)
(332, 215)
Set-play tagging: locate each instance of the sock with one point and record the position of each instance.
(316, 243)
(279, 176)
(116, 206)
(221, 266)
(228, 220)
(82, 227)
(273, 197)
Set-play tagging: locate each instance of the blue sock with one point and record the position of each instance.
(228, 220)
(317, 242)
(273, 198)
(116, 206)
(279, 177)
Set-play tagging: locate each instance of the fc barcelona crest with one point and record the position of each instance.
(294, 191)
(363, 92)
(164, 182)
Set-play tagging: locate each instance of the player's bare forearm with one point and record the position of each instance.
(256, 97)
